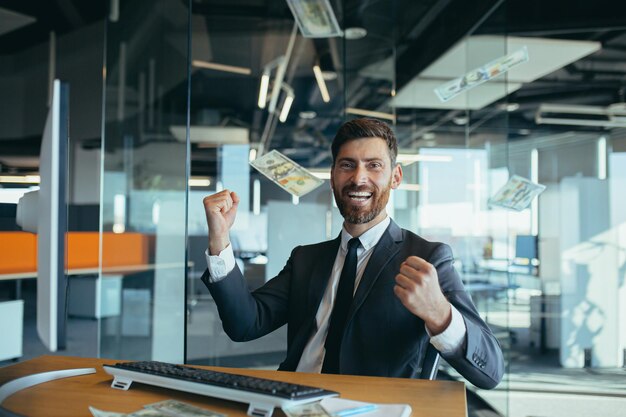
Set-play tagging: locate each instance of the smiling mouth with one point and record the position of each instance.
(359, 196)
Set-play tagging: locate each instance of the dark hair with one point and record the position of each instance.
(365, 128)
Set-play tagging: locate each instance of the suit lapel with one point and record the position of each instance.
(386, 248)
(321, 274)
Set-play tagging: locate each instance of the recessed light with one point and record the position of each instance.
(354, 33)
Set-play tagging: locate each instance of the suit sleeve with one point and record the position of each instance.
(481, 361)
(249, 315)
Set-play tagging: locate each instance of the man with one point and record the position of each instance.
(363, 307)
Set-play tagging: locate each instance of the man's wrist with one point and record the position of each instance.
(217, 245)
(440, 323)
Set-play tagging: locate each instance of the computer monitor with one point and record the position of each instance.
(45, 212)
(526, 247)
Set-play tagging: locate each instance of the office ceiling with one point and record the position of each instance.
(405, 38)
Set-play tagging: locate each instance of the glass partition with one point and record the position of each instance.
(467, 104)
(144, 180)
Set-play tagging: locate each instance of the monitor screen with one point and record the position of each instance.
(526, 247)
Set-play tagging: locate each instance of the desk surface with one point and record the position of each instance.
(72, 396)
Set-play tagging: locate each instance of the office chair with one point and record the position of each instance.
(430, 364)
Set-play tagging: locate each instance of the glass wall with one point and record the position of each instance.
(144, 180)
(471, 108)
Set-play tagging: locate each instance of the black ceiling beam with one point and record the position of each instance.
(454, 22)
(578, 19)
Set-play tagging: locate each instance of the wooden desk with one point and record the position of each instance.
(71, 396)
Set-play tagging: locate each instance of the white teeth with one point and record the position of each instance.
(363, 195)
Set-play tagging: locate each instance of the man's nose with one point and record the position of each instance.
(360, 175)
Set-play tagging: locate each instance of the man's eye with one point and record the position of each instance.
(376, 165)
(346, 165)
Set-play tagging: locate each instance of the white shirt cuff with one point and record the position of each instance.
(452, 339)
(220, 265)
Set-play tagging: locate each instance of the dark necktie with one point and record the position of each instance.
(343, 300)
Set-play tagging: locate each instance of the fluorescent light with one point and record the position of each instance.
(370, 113)
(323, 174)
(119, 213)
(570, 114)
(199, 182)
(534, 205)
(602, 158)
(407, 159)
(265, 83)
(20, 179)
(319, 77)
(221, 67)
(256, 197)
(210, 136)
(286, 107)
(409, 187)
(252, 155)
(156, 212)
(295, 200)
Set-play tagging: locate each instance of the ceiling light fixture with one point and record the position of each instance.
(409, 158)
(355, 33)
(221, 67)
(460, 120)
(575, 115)
(321, 173)
(199, 182)
(371, 113)
(409, 187)
(307, 115)
(511, 107)
(329, 75)
(284, 112)
(20, 179)
(265, 84)
(321, 84)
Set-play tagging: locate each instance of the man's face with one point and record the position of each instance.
(362, 178)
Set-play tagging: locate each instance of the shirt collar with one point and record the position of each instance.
(368, 239)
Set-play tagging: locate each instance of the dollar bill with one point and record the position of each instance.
(101, 413)
(306, 410)
(148, 412)
(315, 18)
(481, 74)
(286, 173)
(516, 194)
(181, 409)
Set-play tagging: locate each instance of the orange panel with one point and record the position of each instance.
(124, 249)
(18, 252)
(82, 250)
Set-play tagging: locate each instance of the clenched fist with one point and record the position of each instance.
(417, 287)
(220, 209)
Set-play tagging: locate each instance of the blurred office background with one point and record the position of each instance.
(165, 109)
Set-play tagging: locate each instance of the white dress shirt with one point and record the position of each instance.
(449, 341)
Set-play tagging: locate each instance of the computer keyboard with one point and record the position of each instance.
(262, 394)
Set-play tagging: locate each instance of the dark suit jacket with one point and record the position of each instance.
(382, 338)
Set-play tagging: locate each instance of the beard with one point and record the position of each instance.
(356, 214)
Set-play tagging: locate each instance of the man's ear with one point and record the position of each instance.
(396, 176)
